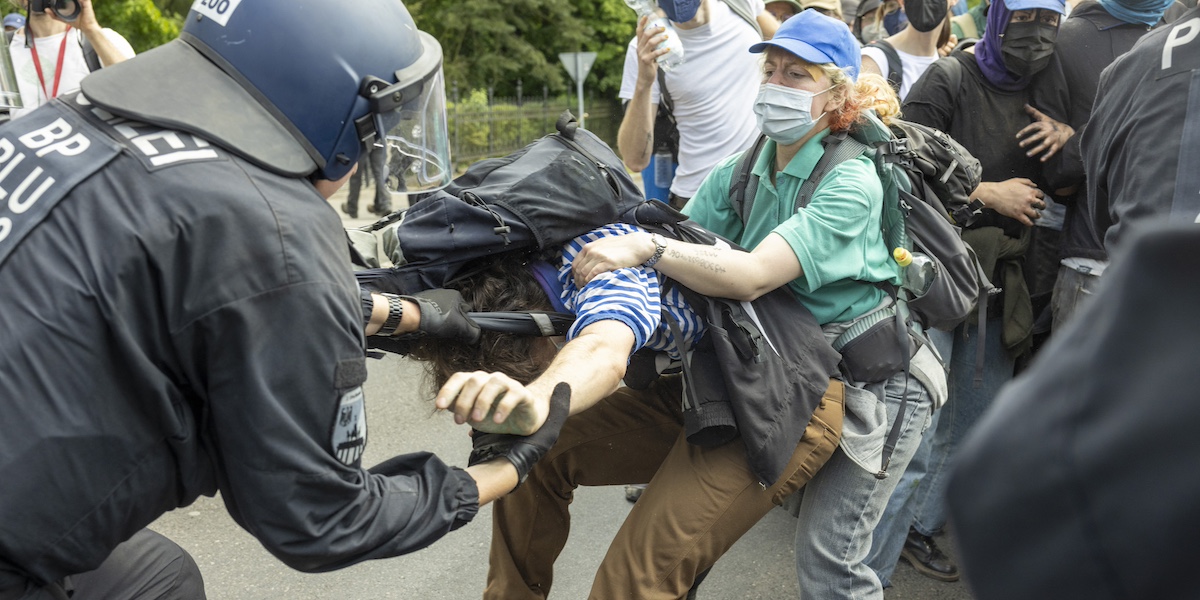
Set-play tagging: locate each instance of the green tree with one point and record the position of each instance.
(140, 21)
(613, 24)
(490, 42)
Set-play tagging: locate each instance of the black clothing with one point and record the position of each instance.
(184, 322)
(984, 119)
(1087, 42)
(1146, 122)
(1077, 483)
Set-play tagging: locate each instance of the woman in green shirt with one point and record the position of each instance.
(831, 254)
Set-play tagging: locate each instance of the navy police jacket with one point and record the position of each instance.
(175, 321)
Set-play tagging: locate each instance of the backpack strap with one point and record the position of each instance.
(741, 8)
(89, 51)
(839, 148)
(744, 185)
(89, 54)
(895, 72)
(954, 70)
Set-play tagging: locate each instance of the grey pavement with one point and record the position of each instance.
(236, 567)
(401, 420)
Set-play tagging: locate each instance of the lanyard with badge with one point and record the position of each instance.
(58, 69)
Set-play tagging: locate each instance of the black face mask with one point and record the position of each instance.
(1027, 47)
(925, 15)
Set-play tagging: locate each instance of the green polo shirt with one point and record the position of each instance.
(837, 237)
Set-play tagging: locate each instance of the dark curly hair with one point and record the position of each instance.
(500, 283)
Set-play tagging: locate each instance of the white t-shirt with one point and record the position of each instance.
(74, 67)
(913, 66)
(713, 92)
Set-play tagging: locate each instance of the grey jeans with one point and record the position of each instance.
(842, 504)
(1072, 290)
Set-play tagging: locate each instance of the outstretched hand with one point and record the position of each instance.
(524, 451)
(1044, 136)
(493, 403)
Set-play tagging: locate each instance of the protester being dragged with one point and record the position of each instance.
(714, 486)
(979, 96)
(831, 255)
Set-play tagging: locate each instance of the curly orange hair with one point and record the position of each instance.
(870, 92)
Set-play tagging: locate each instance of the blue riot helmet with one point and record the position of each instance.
(298, 89)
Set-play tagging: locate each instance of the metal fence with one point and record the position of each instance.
(483, 125)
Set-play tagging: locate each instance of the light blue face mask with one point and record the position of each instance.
(785, 114)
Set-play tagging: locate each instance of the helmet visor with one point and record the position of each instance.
(416, 139)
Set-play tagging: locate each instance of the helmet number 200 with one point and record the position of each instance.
(217, 10)
(220, 6)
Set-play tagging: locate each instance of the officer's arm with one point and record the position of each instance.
(494, 479)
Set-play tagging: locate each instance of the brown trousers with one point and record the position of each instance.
(699, 501)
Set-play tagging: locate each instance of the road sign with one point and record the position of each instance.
(578, 64)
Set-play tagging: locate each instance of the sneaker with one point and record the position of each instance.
(924, 555)
(633, 492)
(351, 211)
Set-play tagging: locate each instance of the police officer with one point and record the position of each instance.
(179, 316)
(1144, 126)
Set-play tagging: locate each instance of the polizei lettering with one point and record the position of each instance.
(42, 157)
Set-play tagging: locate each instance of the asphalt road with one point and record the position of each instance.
(399, 411)
(400, 420)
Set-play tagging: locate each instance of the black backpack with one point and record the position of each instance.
(535, 199)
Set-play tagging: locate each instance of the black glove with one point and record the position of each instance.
(524, 451)
(444, 315)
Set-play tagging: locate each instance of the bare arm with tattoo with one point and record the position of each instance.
(708, 270)
(635, 138)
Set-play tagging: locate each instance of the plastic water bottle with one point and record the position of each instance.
(919, 271)
(664, 168)
(674, 57)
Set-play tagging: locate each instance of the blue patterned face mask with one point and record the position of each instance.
(785, 114)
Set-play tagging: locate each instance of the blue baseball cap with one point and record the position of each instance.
(14, 20)
(818, 39)
(1058, 6)
(680, 11)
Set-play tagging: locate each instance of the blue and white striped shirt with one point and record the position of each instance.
(632, 296)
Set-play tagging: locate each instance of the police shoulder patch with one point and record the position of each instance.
(349, 437)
